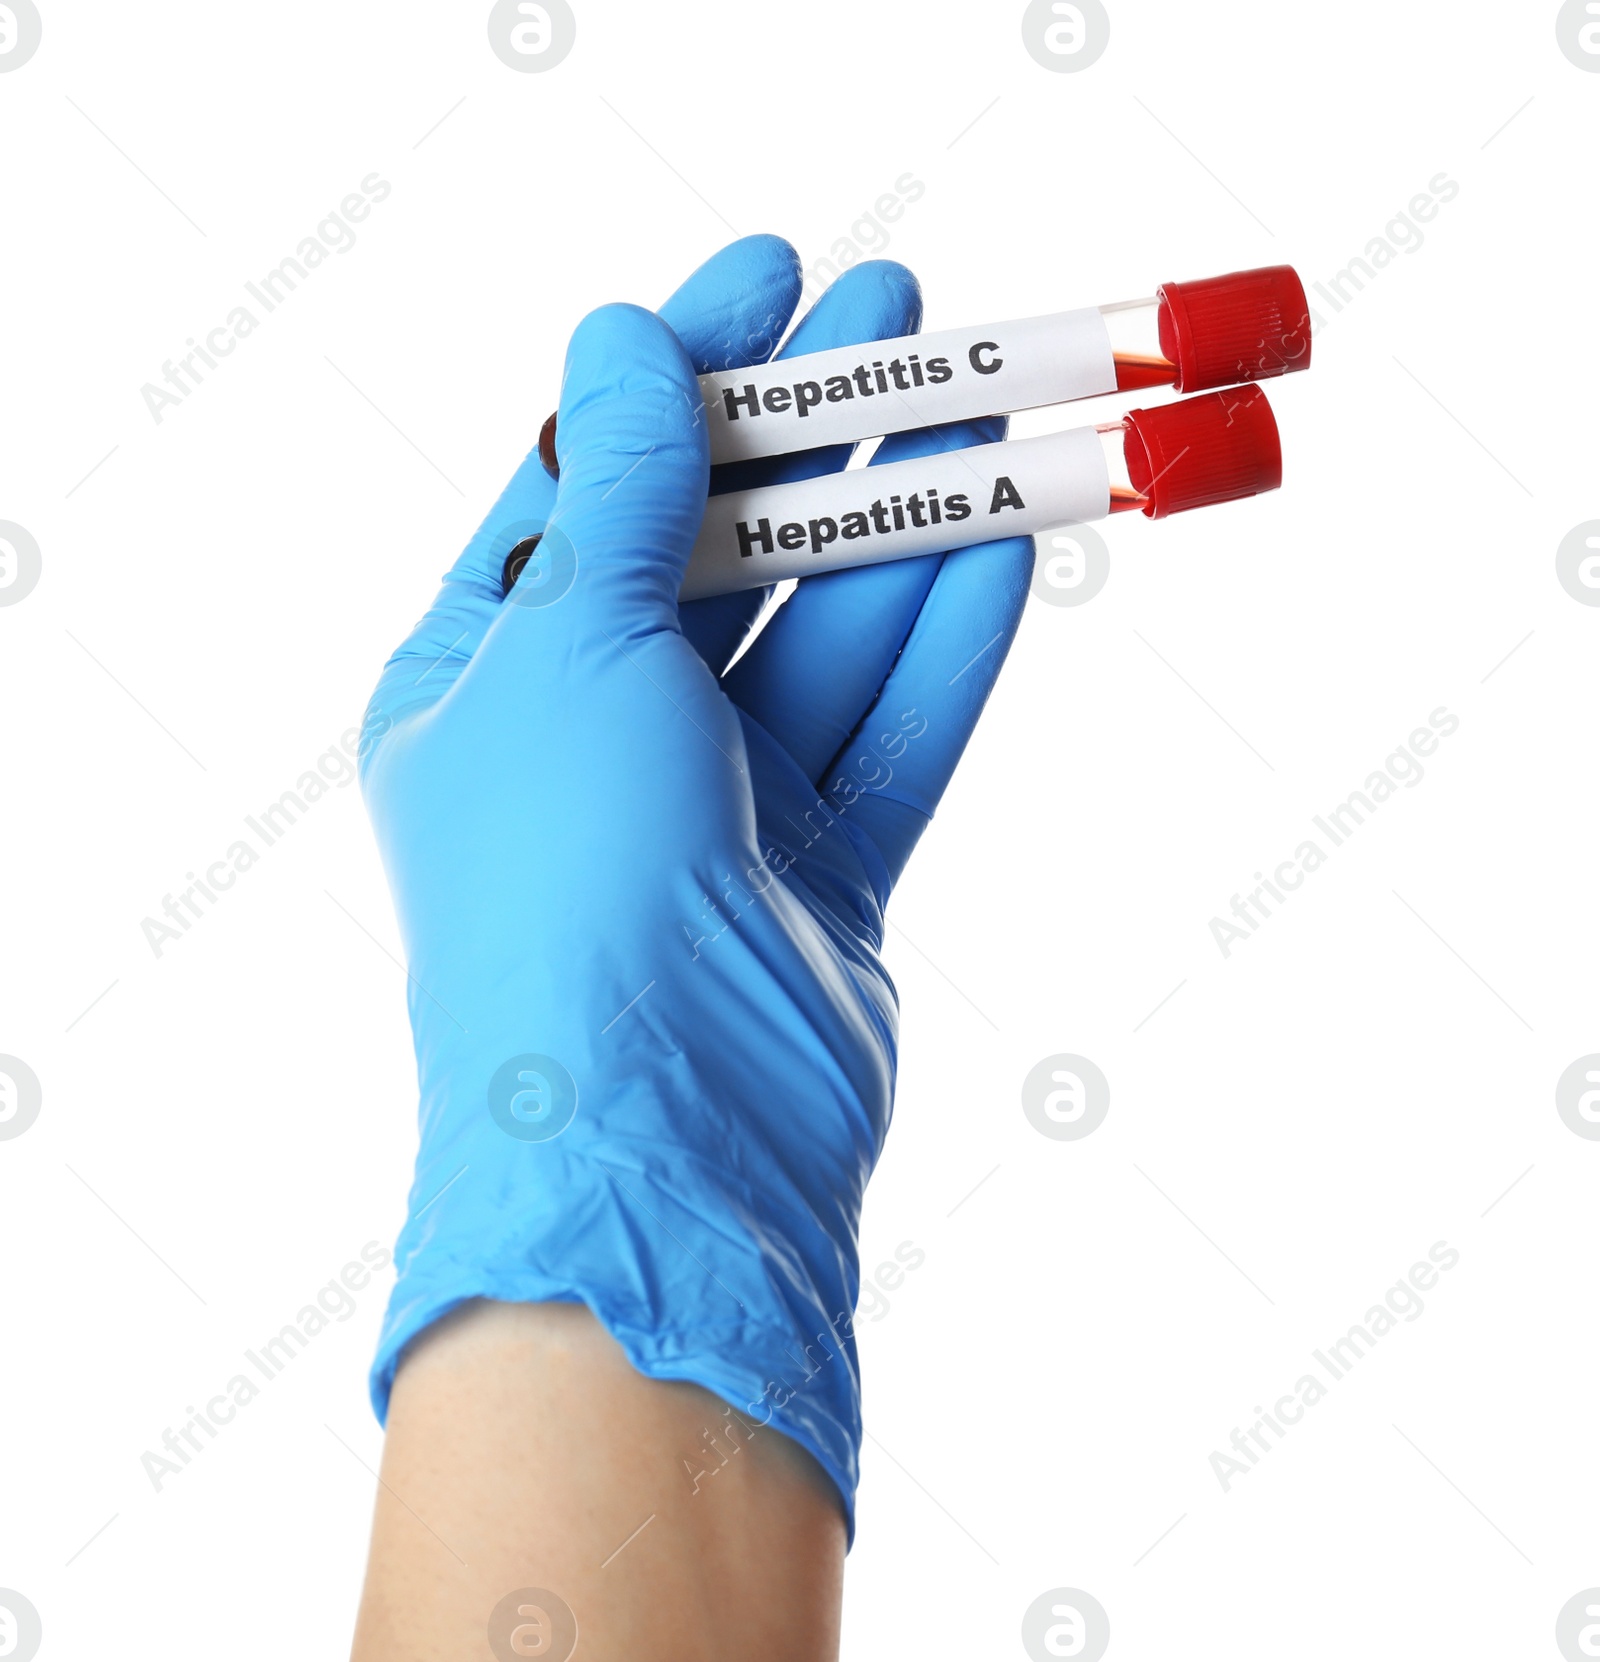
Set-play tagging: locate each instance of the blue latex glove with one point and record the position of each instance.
(642, 899)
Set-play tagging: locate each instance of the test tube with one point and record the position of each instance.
(1219, 447)
(1215, 332)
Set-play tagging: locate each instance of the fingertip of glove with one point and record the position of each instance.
(760, 259)
(620, 335)
(983, 590)
(621, 354)
(770, 257)
(774, 280)
(734, 309)
(887, 290)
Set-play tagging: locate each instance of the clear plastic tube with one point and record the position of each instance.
(1122, 494)
(1246, 326)
(1219, 447)
(1216, 448)
(1134, 330)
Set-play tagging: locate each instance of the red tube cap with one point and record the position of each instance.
(1215, 448)
(1247, 326)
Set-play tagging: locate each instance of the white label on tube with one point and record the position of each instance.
(865, 515)
(887, 386)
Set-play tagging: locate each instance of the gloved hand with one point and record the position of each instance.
(642, 893)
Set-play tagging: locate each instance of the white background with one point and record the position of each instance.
(1291, 1130)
